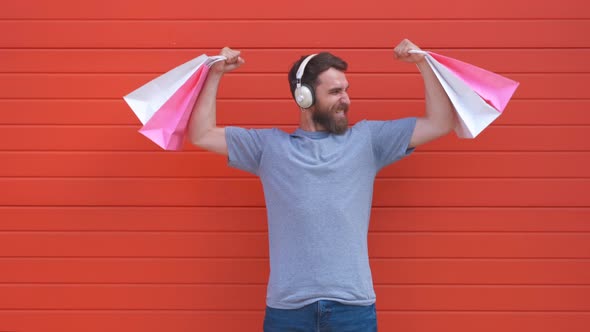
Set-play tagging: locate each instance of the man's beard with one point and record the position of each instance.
(326, 118)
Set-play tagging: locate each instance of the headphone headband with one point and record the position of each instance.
(301, 69)
(304, 95)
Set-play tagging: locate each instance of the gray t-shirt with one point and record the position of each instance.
(318, 189)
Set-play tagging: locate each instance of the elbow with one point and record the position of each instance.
(196, 134)
(195, 137)
(197, 140)
(442, 131)
(203, 139)
(447, 128)
(441, 126)
(449, 124)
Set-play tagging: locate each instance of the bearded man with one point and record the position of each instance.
(318, 186)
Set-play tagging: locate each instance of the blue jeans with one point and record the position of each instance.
(322, 316)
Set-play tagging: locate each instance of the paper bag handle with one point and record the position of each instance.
(214, 59)
(417, 52)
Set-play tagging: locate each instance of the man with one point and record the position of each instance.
(318, 186)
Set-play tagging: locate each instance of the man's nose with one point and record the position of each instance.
(345, 98)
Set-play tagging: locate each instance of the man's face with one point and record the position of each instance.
(330, 110)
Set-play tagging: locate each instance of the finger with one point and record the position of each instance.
(225, 51)
(229, 54)
(233, 57)
(397, 52)
(402, 49)
(402, 54)
(407, 47)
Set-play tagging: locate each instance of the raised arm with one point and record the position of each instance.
(202, 127)
(439, 118)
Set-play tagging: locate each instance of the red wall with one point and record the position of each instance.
(102, 231)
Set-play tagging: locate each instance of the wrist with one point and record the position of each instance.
(422, 64)
(215, 74)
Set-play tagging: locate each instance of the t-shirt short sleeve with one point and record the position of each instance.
(244, 147)
(391, 139)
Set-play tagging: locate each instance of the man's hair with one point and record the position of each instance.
(317, 65)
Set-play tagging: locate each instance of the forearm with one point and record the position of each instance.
(203, 118)
(439, 110)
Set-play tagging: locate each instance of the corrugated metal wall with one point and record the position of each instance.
(100, 230)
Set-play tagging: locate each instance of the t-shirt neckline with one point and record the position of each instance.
(311, 134)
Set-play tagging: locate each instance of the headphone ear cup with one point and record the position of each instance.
(304, 96)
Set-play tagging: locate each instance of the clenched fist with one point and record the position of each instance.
(233, 61)
(401, 52)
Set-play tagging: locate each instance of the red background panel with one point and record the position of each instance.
(100, 230)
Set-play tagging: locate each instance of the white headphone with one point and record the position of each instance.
(304, 96)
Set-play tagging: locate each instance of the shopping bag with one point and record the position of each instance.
(478, 96)
(168, 124)
(164, 104)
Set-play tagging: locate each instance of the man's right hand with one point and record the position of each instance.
(233, 61)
